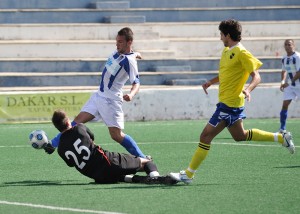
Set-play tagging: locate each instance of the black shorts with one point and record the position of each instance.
(116, 166)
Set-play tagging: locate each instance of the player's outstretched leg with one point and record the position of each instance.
(285, 139)
(165, 180)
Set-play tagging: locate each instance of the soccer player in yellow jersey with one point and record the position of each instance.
(236, 65)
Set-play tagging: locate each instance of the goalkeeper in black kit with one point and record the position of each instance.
(77, 148)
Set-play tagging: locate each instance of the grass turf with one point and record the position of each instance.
(248, 177)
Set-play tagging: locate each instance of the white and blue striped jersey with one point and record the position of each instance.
(118, 69)
(291, 64)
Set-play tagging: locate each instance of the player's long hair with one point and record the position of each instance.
(60, 120)
(233, 28)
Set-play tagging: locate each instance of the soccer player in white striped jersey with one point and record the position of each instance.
(106, 103)
(290, 82)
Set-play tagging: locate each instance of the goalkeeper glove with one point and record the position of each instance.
(49, 148)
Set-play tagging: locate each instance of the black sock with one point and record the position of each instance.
(150, 167)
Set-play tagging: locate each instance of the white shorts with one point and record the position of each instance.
(110, 111)
(291, 93)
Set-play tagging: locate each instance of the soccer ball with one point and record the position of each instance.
(38, 139)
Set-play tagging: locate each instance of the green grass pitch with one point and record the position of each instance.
(244, 177)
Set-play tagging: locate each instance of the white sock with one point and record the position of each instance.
(128, 178)
(153, 174)
(275, 137)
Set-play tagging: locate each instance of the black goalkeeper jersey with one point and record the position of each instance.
(77, 149)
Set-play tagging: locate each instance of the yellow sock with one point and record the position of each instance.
(260, 135)
(199, 155)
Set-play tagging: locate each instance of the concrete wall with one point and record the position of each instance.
(192, 103)
(25, 4)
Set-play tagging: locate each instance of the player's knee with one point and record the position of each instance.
(117, 138)
(239, 138)
(116, 135)
(205, 138)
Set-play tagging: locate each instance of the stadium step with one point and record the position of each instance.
(205, 4)
(21, 4)
(259, 13)
(44, 4)
(95, 64)
(110, 5)
(92, 31)
(186, 82)
(162, 48)
(162, 45)
(77, 48)
(125, 19)
(212, 47)
(172, 68)
(35, 79)
(81, 41)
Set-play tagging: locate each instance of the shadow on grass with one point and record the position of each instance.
(40, 183)
(286, 167)
(131, 186)
(120, 185)
(224, 138)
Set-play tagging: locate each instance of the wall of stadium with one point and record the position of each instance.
(157, 103)
(193, 103)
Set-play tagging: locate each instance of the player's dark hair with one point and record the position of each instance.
(233, 28)
(60, 120)
(289, 40)
(127, 32)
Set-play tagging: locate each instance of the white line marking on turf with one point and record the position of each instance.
(245, 144)
(16, 146)
(182, 142)
(56, 208)
(218, 143)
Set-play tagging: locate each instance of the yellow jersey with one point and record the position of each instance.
(236, 64)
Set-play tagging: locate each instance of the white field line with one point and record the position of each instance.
(275, 144)
(217, 143)
(138, 124)
(189, 142)
(55, 208)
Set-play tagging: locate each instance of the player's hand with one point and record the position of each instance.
(127, 97)
(247, 95)
(49, 148)
(283, 86)
(205, 86)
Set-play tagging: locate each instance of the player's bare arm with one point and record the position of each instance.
(254, 82)
(283, 78)
(133, 91)
(209, 83)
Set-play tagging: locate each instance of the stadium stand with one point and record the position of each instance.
(52, 43)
